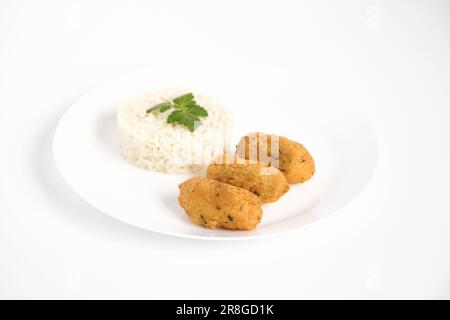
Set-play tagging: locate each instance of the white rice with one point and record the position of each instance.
(151, 143)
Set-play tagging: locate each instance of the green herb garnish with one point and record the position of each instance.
(159, 108)
(187, 112)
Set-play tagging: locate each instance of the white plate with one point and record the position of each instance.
(340, 140)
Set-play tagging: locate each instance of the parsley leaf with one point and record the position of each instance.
(184, 118)
(184, 100)
(186, 113)
(160, 108)
(196, 110)
(175, 116)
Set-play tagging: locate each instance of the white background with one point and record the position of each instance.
(389, 59)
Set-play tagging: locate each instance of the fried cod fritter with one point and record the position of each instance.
(267, 182)
(213, 204)
(290, 157)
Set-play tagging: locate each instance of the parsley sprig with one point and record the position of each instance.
(187, 112)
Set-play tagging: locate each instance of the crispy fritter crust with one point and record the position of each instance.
(293, 159)
(268, 183)
(213, 204)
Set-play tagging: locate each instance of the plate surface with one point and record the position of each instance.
(339, 138)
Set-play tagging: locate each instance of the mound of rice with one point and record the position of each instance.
(151, 143)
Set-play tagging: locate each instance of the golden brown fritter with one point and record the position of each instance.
(214, 204)
(268, 183)
(292, 158)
